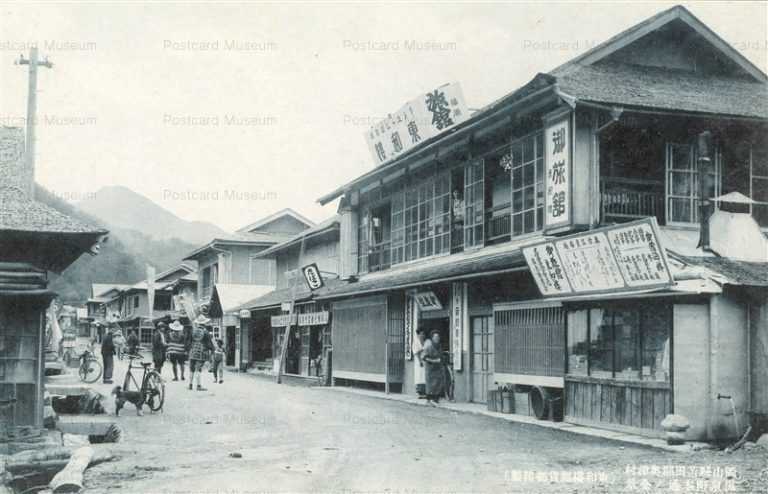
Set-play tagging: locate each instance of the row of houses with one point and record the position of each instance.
(662, 128)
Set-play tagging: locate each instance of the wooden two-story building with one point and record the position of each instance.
(232, 265)
(434, 239)
(263, 331)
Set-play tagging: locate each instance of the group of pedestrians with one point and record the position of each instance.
(177, 345)
(174, 344)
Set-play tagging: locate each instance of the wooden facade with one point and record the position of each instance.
(529, 340)
(359, 330)
(631, 404)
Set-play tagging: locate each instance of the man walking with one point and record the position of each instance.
(200, 343)
(176, 347)
(159, 346)
(108, 356)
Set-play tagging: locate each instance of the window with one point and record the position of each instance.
(626, 343)
(474, 203)
(206, 277)
(398, 228)
(374, 237)
(136, 302)
(527, 184)
(426, 218)
(759, 182)
(443, 214)
(683, 183)
(162, 301)
(411, 223)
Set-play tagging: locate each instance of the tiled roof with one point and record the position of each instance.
(739, 272)
(502, 258)
(19, 213)
(666, 89)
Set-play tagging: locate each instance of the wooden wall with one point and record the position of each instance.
(530, 341)
(641, 405)
(21, 366)
(758, 343)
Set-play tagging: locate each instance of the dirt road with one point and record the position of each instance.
(252, 435)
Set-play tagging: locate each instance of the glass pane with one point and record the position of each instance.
(680, 210)
(517, 201)
(682, 184)
(528, 174)
(681, 157)
(760, 157)
(760, 189)
(626, 324)
(601, 343)
(760, 213)
(540, 169)
(577, 342)
(529, 198)
(529, 221)
(656, 345)
(517, 178)
(528, 149)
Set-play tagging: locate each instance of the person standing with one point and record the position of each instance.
(434, 366)
(119, 340)
(200, 343)
(133, 343)
(176, 348)
(418, 362)
(218, 361)
(159, 346)
(108, 356)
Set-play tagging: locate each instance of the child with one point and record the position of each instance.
(218, 361)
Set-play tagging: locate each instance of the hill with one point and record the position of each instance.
(124, 209)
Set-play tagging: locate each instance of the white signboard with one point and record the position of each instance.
(313, 277)
(617, 258)
(410, 325)
(557, 182)
(416, 121)
(457, 322)
(428, 301)
(306, 319)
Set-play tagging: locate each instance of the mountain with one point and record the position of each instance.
(121, 259)
(124, 209)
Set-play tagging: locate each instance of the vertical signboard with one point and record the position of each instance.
(410, 327)
(557, 180)
(457, 322)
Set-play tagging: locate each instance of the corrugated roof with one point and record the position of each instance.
(666, 89)
(739, 272)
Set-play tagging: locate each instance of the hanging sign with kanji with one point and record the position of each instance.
(618, 258)
(557, 180)
(313, 277)
(416, 121)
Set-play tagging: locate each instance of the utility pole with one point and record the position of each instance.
(33, 63)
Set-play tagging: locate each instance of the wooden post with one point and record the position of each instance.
(289, 324)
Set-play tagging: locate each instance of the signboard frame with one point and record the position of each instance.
(307, 271)
(627, 286)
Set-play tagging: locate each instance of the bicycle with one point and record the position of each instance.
(152, 384)
(90, 369)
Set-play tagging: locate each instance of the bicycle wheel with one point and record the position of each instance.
(90, 371)
(154, 391)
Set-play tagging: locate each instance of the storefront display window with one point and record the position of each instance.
(625, 343)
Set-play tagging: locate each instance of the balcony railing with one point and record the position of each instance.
(379, 256)
(498, 226)
(627, 199)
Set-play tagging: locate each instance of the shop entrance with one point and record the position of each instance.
(230, 345)
(482, 357)
(442, 325)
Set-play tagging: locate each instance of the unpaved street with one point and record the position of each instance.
(297, 439)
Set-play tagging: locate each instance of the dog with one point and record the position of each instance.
(121, 397)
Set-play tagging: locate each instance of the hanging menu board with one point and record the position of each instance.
(613, 259)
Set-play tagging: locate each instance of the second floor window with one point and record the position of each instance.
(683, 183)
(527, 169)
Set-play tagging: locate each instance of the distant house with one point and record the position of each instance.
(34, 239)
(233, 260)
(262, 332)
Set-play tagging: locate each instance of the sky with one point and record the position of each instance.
(229, 112)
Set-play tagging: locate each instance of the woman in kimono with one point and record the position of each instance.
(418, 363)
(432, 357)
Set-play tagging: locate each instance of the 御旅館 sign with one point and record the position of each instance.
(621, 258)
(418, 120)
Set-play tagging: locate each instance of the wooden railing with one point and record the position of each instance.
(627, 199)
(498, 226)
